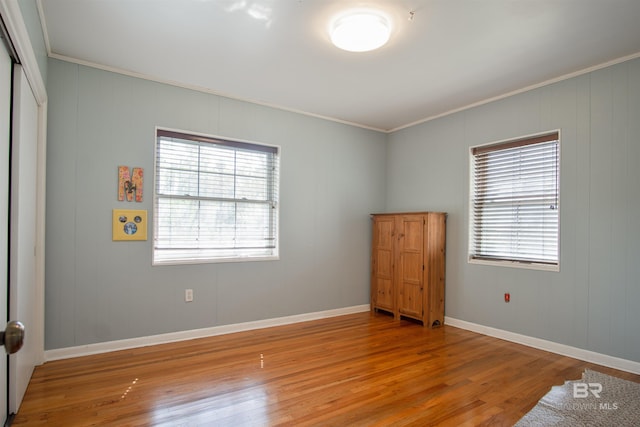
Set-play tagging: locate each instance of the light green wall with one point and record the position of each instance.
(592, 303)
(29, 10)
(332, 177)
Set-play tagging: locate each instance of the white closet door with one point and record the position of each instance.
(22, 280)
(5, 137)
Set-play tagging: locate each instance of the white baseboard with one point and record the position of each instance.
(105, 347)
(562, 349)
(553, 347)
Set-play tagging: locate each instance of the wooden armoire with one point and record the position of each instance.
(408, 265)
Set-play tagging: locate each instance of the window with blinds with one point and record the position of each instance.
(215, 200)
(515, 200)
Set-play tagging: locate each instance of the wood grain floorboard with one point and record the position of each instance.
(364, 369)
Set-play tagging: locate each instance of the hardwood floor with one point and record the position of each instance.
(356, 370)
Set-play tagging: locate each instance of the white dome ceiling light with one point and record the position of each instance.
(360, 30)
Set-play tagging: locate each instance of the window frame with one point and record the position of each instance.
(505, 144)
(197, 138)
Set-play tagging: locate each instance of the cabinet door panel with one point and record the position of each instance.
(412, 267)
(384, 264)
(412, 234)
(384, 296)
(383, 233)
(382, 289)
(411, 300)
(410, 273)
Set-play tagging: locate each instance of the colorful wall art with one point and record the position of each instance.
(130, 184)
(129, 224)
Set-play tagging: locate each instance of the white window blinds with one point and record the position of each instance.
(515, 201)
(215, 199)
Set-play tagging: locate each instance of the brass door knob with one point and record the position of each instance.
(12, 337)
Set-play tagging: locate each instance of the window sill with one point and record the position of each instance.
(212, 260)
(516, 264)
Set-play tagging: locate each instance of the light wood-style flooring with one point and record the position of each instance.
(357, 370)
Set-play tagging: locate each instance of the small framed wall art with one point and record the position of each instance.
(129, 224)
(130, 184)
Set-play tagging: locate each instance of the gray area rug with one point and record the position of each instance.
(595, 400)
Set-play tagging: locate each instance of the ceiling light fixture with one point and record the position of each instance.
(360, 30)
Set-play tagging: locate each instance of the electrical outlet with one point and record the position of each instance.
(188, 295)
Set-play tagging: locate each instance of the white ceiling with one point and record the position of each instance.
(452, 54)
